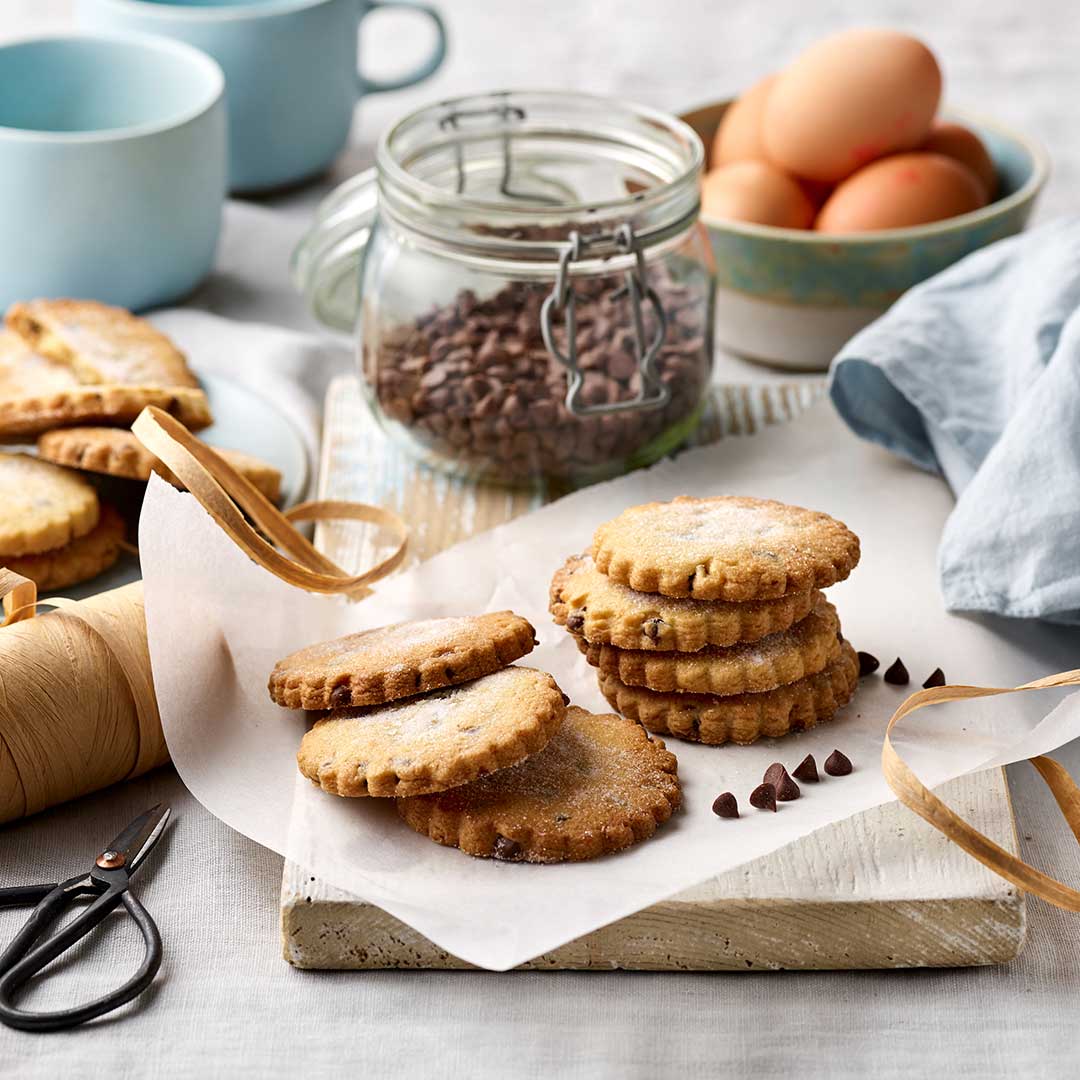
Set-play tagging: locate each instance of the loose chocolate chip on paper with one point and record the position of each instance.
(725, 805)
(935, 678)
(774, 774)
(505, 848)
(763, 797)
(897, 674)
(868, 664)
(806, 770)
(837, 764)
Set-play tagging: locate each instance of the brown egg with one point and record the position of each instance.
(755, 191)
(738, 138)
(852, 98)
(961, 143)
(902, 190)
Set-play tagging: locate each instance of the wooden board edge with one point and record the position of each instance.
(747, 935)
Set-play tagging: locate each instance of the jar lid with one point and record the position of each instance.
(509, 175)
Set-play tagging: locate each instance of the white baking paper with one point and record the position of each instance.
(217, 623)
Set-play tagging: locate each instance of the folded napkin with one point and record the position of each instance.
(976, 374)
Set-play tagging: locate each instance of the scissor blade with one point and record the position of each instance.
(139, 838)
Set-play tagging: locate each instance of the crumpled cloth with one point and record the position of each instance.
(975, 374)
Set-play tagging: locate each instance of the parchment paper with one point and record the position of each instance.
(217, 623)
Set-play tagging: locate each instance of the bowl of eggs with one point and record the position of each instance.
(838, 183)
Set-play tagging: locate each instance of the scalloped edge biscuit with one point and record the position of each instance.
(78, 561)
(400, 660)
(599, 786)
(746, 668)
(44, 506)
(117, 452)
(435, 741)
(100, 343)
(724, 547)
(589, 603)
(740, 718)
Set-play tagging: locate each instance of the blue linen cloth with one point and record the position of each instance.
(975, 373)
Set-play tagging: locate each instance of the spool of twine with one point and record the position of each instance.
(77, 708)
(71, 720)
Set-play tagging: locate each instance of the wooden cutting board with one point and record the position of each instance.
(882, 889)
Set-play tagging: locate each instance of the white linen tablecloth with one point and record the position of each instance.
(226, 1003)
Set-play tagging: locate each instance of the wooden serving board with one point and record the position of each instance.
(882, 889)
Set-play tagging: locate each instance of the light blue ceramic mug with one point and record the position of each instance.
(291, 72)
(112, 168)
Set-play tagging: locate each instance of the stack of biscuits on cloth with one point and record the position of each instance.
(74, 375)
(704, 617)
(478, 752)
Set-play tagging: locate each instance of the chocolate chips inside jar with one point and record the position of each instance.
(475, 384)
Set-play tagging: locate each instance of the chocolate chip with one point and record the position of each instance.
(806, 770)
(935, 678)
(505, 848)
(763, 797)
(897, 674)
(725, 805)
(868, 664)
(340, 696)
(575, 622)
(456, 371)
(837, 764)
(651, 628)
(786, 788)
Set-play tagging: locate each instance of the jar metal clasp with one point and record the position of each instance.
(653, 392)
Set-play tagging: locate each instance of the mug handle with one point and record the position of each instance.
(421, 71)
(326, 264)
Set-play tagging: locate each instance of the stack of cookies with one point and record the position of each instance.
(53, 529)
(705, 620)
(479, 753)
(74, 375)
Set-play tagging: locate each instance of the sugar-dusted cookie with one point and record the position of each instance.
(101, 344)
(740, 718)
(746, 668)
(589, 603)
(78, 561)
(436, 741)
(38, 394)
(118, 452)
(600, 785)
(724, 548)
(42, 506)
(392, 662)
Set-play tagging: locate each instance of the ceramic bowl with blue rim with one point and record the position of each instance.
(792, 297)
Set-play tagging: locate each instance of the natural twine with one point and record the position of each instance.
(77, 707)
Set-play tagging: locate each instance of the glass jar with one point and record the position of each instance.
(528, 282)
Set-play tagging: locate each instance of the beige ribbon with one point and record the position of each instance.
(916, 796)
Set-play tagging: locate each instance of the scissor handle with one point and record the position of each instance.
(22, 960)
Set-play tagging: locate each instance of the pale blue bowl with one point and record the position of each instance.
(112, 168)
(792, 297)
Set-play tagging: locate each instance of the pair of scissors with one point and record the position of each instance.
(107, 882)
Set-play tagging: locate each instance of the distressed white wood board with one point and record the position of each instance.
(880, 890)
